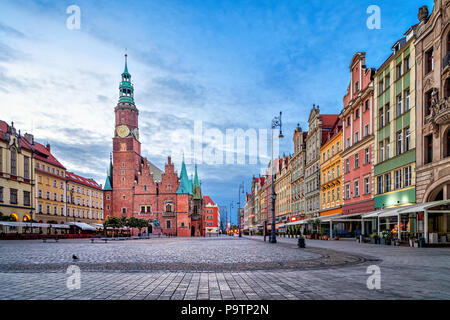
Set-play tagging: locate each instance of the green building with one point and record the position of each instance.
(394, 123)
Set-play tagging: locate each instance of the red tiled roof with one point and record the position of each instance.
(334, 130)
(79, 179)
(42, 153)
(3, 130)
(328, 120)
(208, 200)
(3, 126)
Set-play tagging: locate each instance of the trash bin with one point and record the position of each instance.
(421, 242)
(301, 242)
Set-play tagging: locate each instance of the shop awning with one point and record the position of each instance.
(97, 225)
(34, 225)
(331, 217)
(392, 212)
(296, 222)
(83, 226)
(386, 213)
(423, 206)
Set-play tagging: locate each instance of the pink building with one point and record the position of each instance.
(357, 155)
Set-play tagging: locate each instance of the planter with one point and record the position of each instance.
(385, 241)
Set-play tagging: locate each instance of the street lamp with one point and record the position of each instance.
(276, 122)
(241, 187)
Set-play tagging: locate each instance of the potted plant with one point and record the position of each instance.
(385, 237)
(374, 238)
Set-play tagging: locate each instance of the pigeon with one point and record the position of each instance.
(74, 257)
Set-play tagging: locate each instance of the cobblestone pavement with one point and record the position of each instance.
(325, 270)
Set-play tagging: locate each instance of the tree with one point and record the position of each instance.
(141, 223)
(112, 222)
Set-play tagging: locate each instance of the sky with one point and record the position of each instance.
(229, 64)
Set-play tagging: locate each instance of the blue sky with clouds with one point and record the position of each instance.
(231, 64)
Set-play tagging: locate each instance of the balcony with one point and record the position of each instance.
(441, 112)
(168, 214)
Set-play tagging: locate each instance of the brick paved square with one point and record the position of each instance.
(223, 268)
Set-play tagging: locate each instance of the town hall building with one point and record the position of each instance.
(135, 187)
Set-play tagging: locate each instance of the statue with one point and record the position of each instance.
(434, 97)
(423, 13)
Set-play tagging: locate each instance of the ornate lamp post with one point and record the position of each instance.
(276, 122)
(241, 187)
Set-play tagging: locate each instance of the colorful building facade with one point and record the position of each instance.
(297, 168)
(330, 172)
(16, 177)
(357, 137)
(319, 126)
(395, 127)
(432, 54)
(282, 190)
(51, 196)
(211, 217)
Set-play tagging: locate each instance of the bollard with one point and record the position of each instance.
(301, 242)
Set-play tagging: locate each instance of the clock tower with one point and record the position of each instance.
(126, 147)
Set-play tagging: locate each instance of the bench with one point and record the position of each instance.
(50, 238)
(104, 239)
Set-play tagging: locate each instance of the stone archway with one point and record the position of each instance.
(439, 190)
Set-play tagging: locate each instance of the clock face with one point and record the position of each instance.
(123, 131)
(136, 133)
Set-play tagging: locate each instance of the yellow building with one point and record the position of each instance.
(16, 178)
(85, 200)
(330, 172)
(50, 186)
(63, 197)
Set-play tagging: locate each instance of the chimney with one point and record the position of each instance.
(48, 147)
(29, 137)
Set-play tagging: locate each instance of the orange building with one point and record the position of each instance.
(330, 172)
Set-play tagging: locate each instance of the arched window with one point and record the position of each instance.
(168, 208)
(447, 88)
(448, 44)
(446, 143)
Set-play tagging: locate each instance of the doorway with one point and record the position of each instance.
(192, 231)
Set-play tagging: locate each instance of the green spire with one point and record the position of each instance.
(184, 180)
(126, 89)
(197, 189)
(108, 182)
